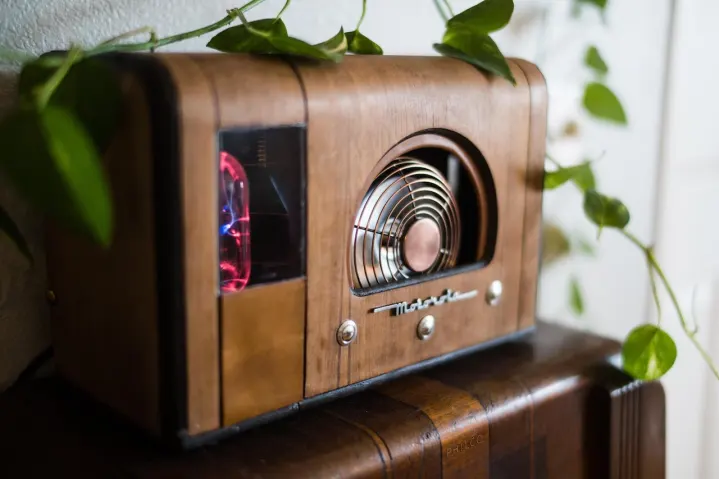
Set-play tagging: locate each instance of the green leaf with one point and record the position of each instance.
(648, 353)
(584, 177)
(361, 45)
(239, 39)
(335, 45)
(269, 36)
(486, 17)
(555, 244)
(53, 163)
(8, 226)
(576, 299)
(90, 91)
(601, 4)
(581, 175)
(595, 61)
(476, 49)
(602, 103)
(604, 211)
(299, 48)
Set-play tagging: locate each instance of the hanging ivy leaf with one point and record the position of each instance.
(53, 163)
(476, 49)
(604, 211)
(90, 91)
(269, 36)
(595, 61)
(602, 103)
(8, 226)
(361, 45)
(555, 244)
(239, 39)
(576, 299)
(582, 175)
(335, 45)
(486, 17)
(299, 48)
(648, 353)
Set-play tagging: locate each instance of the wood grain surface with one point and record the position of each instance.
(549, 406)
(355, 114)
(105, 317)
(360, 110)
(533, 179)
(223, 92)
(198, 178)
(263, 349)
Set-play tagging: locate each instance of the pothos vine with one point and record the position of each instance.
(69, 103)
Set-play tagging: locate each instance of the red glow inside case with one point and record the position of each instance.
(235, 259)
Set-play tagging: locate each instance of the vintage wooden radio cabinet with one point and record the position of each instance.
(288, 231)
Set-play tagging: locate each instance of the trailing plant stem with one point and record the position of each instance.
(655, 267)
(449, 8)
(655, 290)
(287, 5)
(553, 161)
(441, 11)
(154, 43)
(249, 28)
(161, 42)
(364, 12)
(130, 34)
(49, 87)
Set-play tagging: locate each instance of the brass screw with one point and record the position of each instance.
(50, 296)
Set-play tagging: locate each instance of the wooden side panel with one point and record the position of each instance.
(637, 428)
(534, 181)
(263, 345)
(198, 176)
(105, 317)
(357, 112)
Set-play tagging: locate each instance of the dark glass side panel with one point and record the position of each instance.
(272, 162)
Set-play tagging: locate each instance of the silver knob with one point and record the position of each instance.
(494, 293)
(425, 328)
(347, 333)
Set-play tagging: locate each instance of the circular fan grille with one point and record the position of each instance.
(407, 225)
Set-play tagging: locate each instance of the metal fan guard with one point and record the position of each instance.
(406, 191)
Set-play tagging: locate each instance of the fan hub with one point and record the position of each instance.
(421, 245)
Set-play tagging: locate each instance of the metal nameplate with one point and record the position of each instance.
(449, 296)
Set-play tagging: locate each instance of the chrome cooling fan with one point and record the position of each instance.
(407, 226)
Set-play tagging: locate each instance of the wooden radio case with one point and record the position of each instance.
(290, 231)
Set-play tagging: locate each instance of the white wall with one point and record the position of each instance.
(688, 234)
(633, 41)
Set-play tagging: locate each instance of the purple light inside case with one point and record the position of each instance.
(234, 195)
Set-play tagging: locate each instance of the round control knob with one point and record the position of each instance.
(425, 328)
(347, 333)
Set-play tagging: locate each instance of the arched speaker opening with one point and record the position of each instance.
(429, 209)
